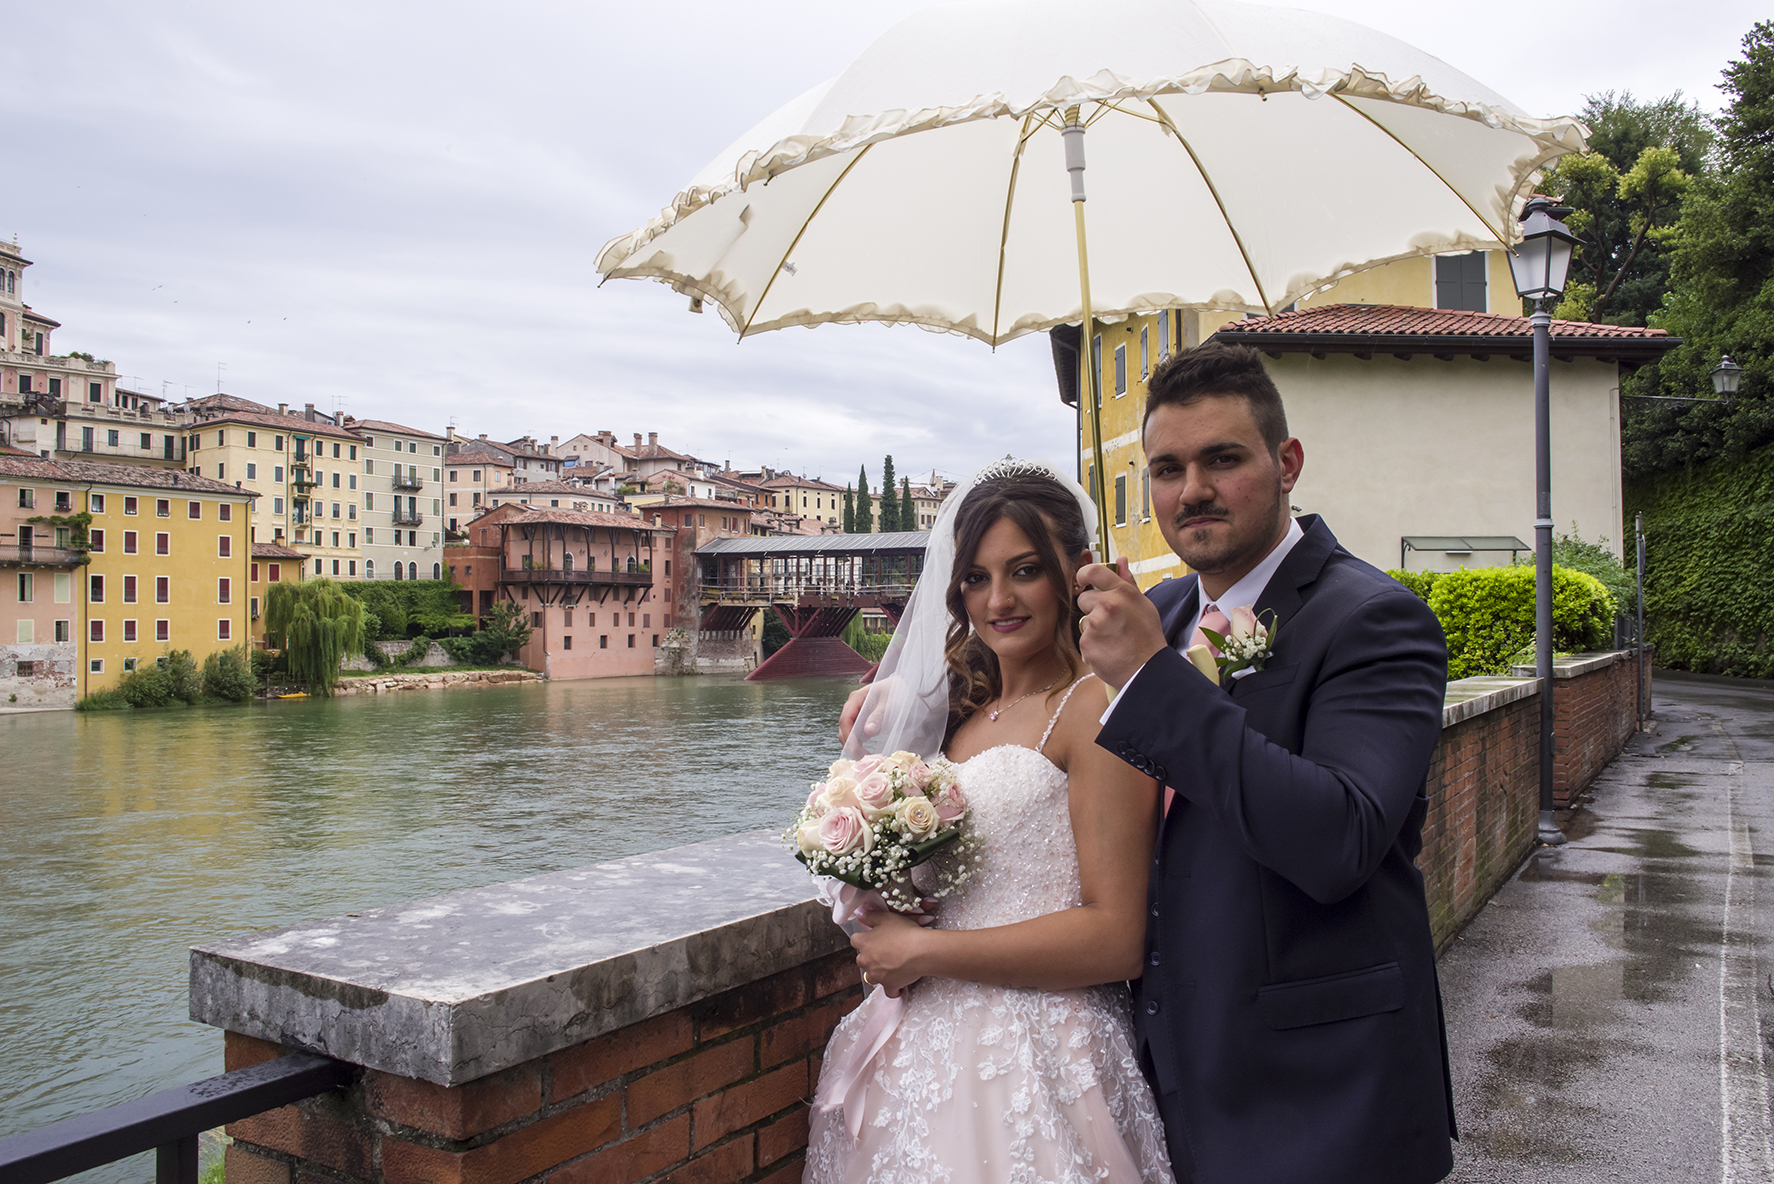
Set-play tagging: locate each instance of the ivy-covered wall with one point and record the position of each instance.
(1709, 564)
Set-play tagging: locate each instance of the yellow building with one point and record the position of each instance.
(165, 562)
(272, 563)
(307, 471)
(1127, 351)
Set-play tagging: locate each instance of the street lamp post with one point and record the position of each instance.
(1540, 265)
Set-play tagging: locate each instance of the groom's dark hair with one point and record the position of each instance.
(1214, 370)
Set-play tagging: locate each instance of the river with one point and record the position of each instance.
(130, 836)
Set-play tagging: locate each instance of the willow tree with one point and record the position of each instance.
(317, 626)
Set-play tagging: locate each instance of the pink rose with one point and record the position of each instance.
(1244, 621)
(867, 765)
(813, 802)
(874, 793)
(845, 830)
(950, 805)
(920, 775)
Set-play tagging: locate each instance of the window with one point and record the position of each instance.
(452, 474)
(351, 567)
(1145, 354)
(631, 641)
(567, 642)
(1096, 351)
(27, 587)
(86, 439)
(273, 572)
(95, 589)
(335, 509)
(95, 540)
(335, 479)
(162, 630)
(317, 567)
(194, 509)
(26, 669)
(277, 446)
(535, 620)
(129, 506)
(351, 511)
(277, 473)
(162, 508)
(163, 544)
(129, 589)
(252, 472)
(96, 665)
(335, 538)
(252, 439)
(369, 535)
(603, 641)
(351, 540)
(253, 576)
(113, 438)
(224, 512)
(655, 641)
(1120, 370)
(162, 589)
(224, 591)
(95, 631)
(129, 630)
(452, 499)
(436, 450)
(1146, 495)
(277, 505)
(477, 499)
(254, 601)
(335, 567)
(476, 476)
(64, 631)
(224, 629)
(147, 441)
(225, 546)
(1121, 500)
(95, 392)
(1164, 335)
(437, 571)
(129, 665)
(24, 384)
(64, 501)
(646, 620)
(353, 451)
(95, 503)
(1460, 282)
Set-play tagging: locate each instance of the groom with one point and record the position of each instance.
(1288, 1015)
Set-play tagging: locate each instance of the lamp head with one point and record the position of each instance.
(1542, 260)
(1727, 376)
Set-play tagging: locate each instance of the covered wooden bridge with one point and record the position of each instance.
(816, 584)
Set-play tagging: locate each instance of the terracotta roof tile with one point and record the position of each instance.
(288, 424)
(1393, 318)
(275, 551)
(383, 425)
(108, 473)
(582, 518)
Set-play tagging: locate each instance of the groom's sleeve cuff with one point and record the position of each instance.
(1103, 720)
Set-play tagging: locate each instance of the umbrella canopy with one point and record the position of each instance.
(1240, 157)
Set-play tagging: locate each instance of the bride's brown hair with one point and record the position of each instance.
(1048, 514)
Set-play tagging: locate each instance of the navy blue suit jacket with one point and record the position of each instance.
(1289, 1010)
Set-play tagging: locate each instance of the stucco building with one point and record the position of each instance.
(403, 492)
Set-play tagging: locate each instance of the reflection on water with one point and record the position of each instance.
(131, 836)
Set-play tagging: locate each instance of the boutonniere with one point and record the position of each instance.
(1248, 643)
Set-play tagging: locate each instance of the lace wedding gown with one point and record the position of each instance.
(987, 1084)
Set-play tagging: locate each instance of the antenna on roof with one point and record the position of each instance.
(220, 366)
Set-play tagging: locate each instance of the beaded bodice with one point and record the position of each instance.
(1027, 862)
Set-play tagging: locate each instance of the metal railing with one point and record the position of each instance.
(13, 555)
(560, 575)
(754, 588)
(408, 482)
(167, 1122)
(408, 518)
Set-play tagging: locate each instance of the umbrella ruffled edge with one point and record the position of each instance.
(1554, 137)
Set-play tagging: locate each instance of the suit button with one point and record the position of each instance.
(1152, 1007)
(1160, 773)
(1154, 958)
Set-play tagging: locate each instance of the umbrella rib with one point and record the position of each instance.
(1237, 239)
(1016, 162)
(811, 214)
(1433, 171)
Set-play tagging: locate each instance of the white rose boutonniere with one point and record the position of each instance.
(1248, 642)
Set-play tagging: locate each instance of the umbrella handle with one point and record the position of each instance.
(1091, 391)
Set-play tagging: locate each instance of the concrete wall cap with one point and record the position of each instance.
(454, 988)
(1575, 665)
(1470, 697)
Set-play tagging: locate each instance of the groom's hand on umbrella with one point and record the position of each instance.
(1121, 627)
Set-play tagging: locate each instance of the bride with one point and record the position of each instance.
(997, 1043)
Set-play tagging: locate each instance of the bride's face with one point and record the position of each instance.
(1010, 601)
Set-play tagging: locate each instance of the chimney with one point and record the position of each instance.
(450, 433)
(308, 412)
(483, 435)
(637, 440)
(554, 445)
(283, 409)
(653, 439)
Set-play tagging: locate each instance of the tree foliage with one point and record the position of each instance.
(317, 625)
(889, 498)
(507, 630)
(1626, 194)
(408, 608)
(1721, 297)
(1487, 613)
(865, 505)
(849, 511)
(228, 674)
(908, 509)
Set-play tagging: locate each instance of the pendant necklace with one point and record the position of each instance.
(993, 715)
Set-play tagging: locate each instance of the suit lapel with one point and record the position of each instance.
(1281, 595)
(1183, 610)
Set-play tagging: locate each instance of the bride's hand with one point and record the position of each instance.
(887, 950)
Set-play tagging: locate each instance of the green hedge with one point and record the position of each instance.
(1709, 549)
(1487, 613)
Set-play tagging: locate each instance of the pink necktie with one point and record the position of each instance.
(1213, 619)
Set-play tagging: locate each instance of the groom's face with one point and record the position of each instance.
(1219, 494)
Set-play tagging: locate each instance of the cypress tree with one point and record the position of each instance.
(908, 509)
(889, 502)
(865, 505)
(849, 511)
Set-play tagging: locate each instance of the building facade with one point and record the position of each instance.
(470, 478)
(403, 501)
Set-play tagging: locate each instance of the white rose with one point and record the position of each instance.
(918, 818)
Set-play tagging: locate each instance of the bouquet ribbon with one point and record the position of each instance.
(844, 1082)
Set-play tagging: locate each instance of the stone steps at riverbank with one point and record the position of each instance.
(433, 680)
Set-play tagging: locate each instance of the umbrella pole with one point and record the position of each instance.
(1091, 391)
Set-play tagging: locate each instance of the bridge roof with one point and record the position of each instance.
(817, 544)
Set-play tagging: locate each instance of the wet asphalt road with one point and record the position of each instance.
(1606, 1010)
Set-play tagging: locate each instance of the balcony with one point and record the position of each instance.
(13, 555)
(558, 575)
(408, 518)
(408, 481)
(302, 478)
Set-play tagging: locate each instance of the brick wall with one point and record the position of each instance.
(711, 1093)
(1592, 716)
(1484, 807)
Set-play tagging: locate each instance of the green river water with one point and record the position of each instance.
(130, 836)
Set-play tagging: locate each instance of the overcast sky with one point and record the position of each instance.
(393, 208)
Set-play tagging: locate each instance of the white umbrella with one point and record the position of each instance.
(1241, 157)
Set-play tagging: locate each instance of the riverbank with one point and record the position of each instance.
(433, 679)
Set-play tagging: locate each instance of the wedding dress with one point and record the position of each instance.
(983, 1083)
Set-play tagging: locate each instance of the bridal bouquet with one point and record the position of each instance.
(871, 821)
